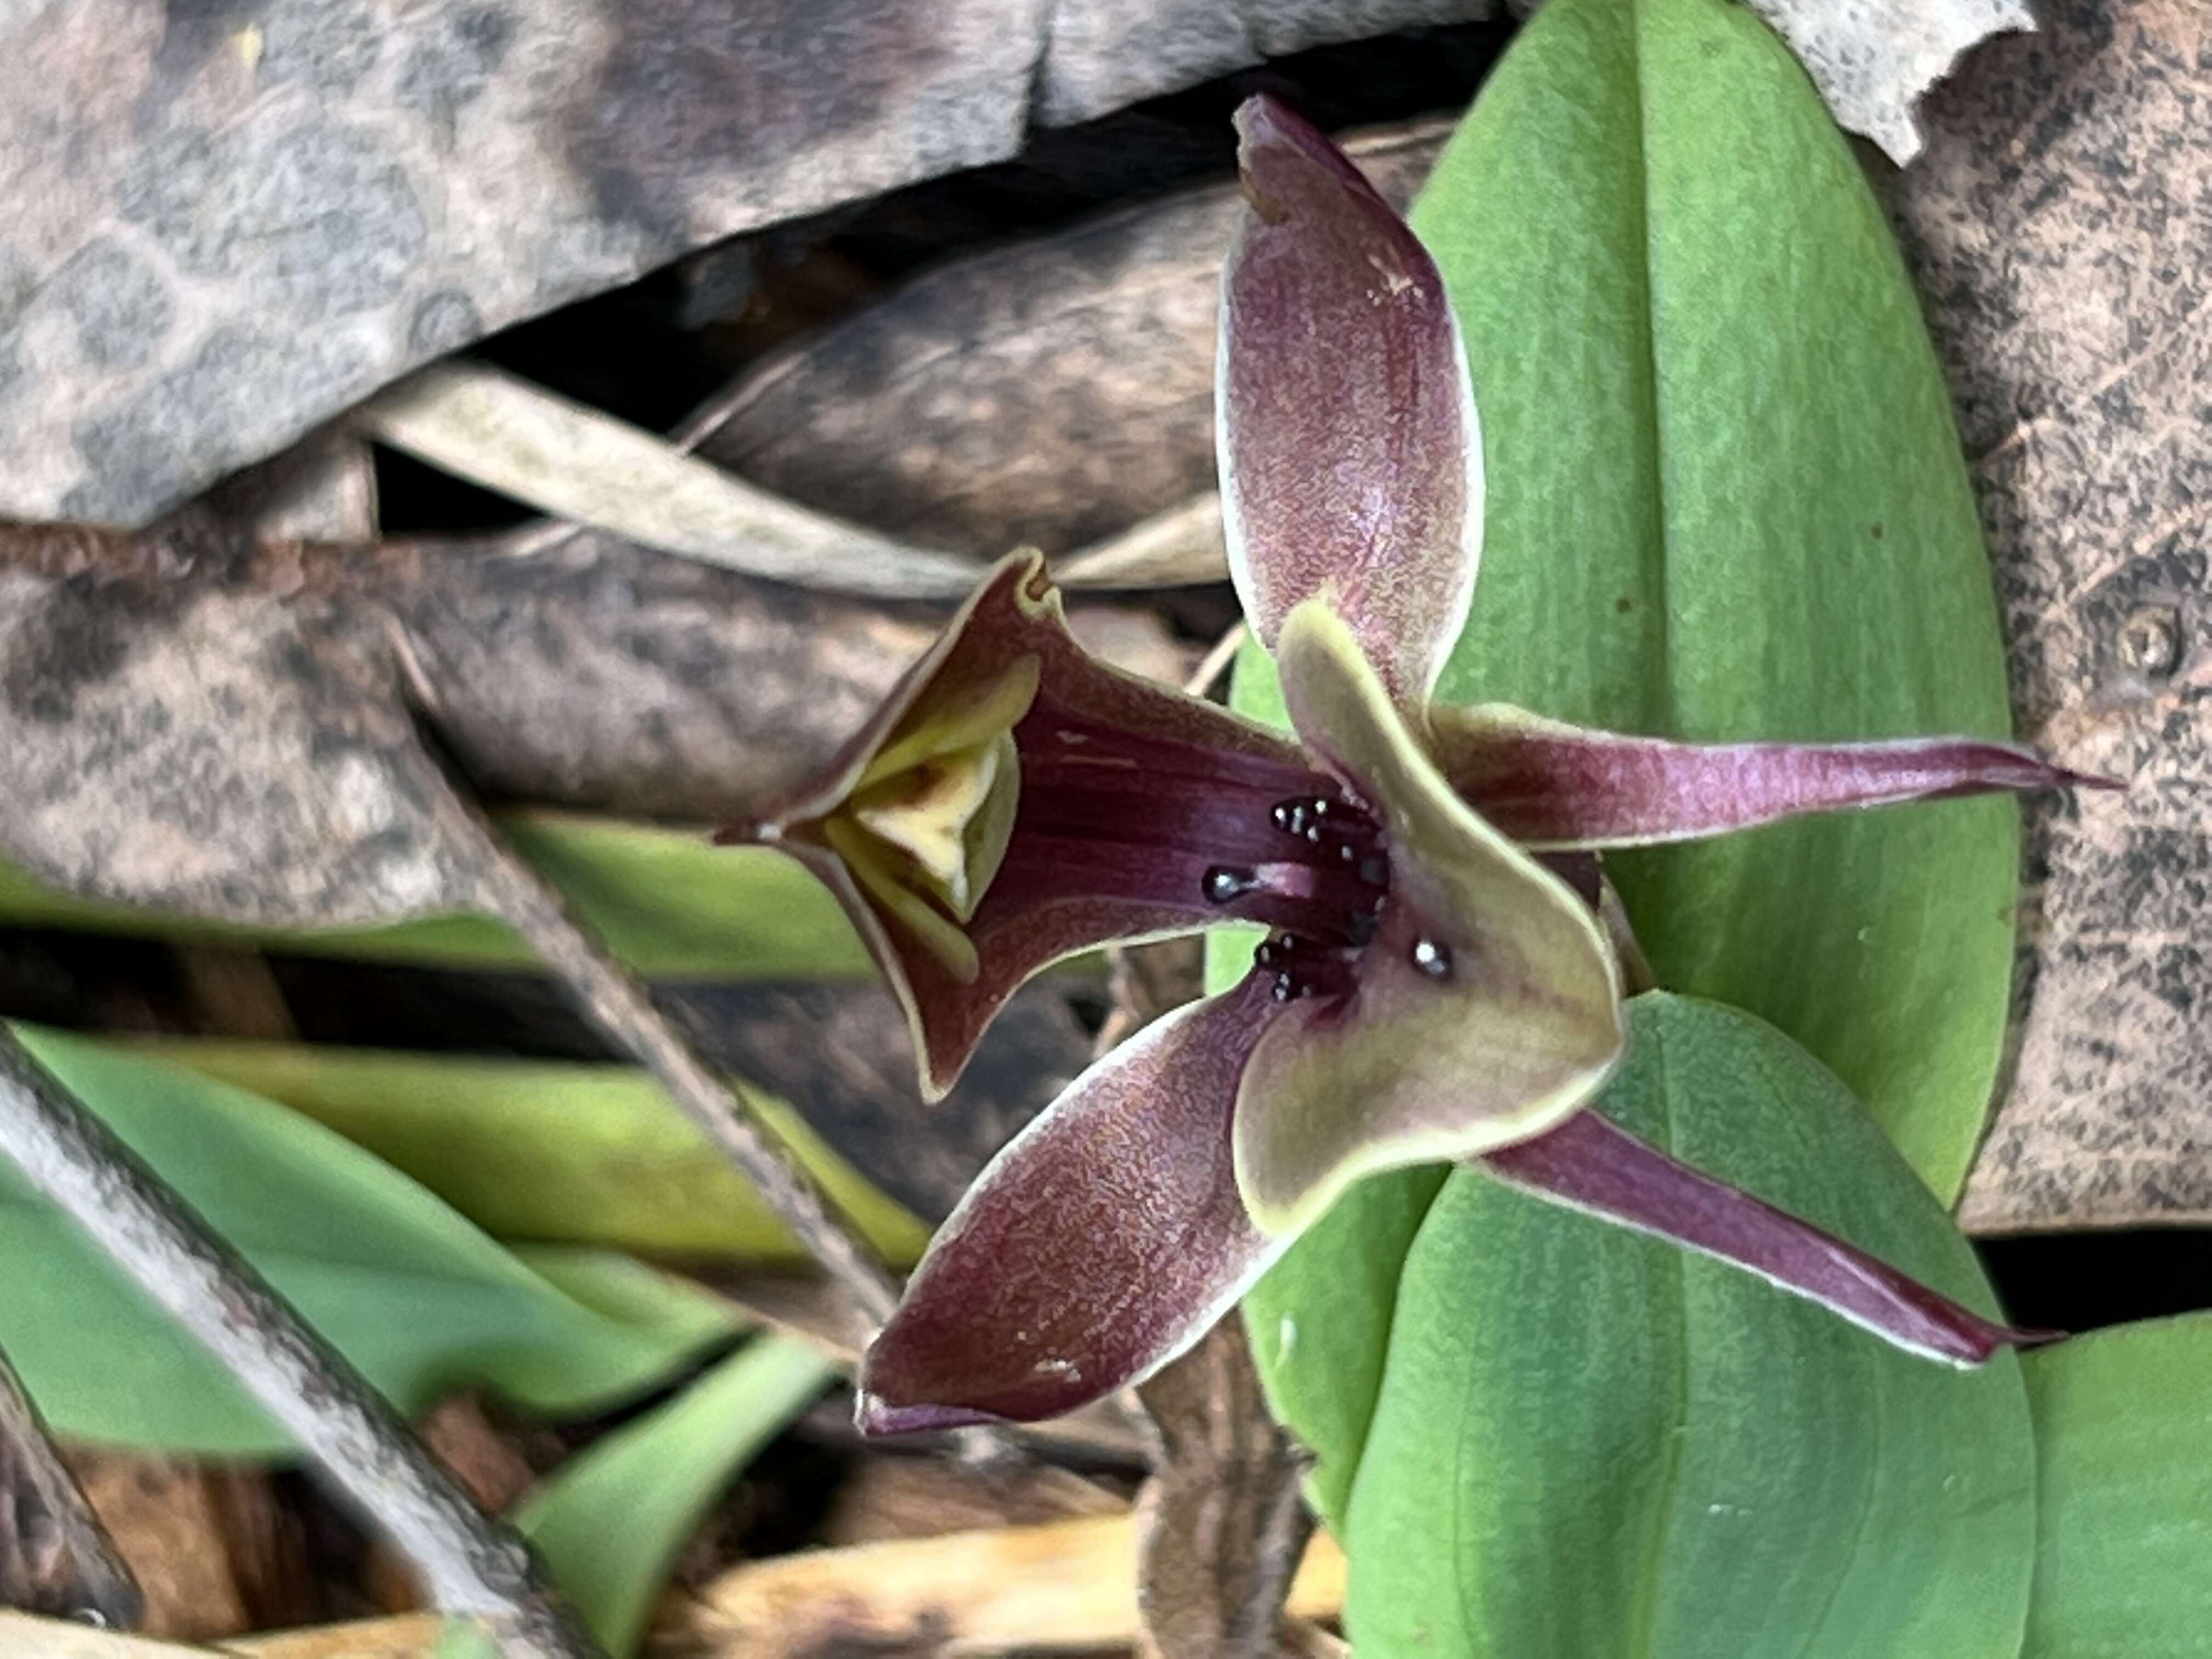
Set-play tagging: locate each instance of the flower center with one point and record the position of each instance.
(1324, 893)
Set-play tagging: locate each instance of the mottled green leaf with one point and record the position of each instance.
(419, 1299)
(666, 902)
(609, 1522)
(2123, 1439)
(535, 1150)
(1590, 1443)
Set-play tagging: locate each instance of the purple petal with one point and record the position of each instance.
(1554, 786)
(1084, 864)
(1350, 457)
(1589, 1163)
(1104, 1240)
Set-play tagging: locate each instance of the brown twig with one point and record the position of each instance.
(470, 1566)
(55, 1557)
(619, 1005)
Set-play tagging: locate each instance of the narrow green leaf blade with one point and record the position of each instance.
(610, 1521)
(665, 901)
(2124, 1553)
(550, 1152)
(1591, 1442)
(420, 1300)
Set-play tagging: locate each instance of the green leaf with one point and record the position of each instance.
(610, 1521)
(667, 902)
(1704, 383)
(1320, 1323)
(1727, 500)
(2125, 1487)
(1591, 1442)
(420, 1300)
(570, 1153)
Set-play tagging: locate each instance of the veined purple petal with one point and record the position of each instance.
(1589, 1163)
(1552, 785)
(1127, 790)
(1099, 1244)
(1349, 457)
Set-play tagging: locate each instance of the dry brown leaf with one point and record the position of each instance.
(179, 742)
(55, 1555)
(2059, 228)
(409, 1636)
(1056, 393)
(597, 673)
(227, 222)
(1105, 53)
(1069, 1586)
(25, 1637)
(892, 1497)
(494, 428)
(165, 1519)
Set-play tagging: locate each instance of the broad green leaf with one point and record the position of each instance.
(1590, 1443)
(2124, 1446)
(665, 901)
(530, 1150)
(1727, 500)
(419, 1299)
(609, 1522)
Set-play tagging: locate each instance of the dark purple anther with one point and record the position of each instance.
(1305, 967)
(1225, 884)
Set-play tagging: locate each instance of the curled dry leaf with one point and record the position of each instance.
(1056, 393)
(153, 690)
(269, 211)
(599, 674)
(2059, 230)
(216, 1552)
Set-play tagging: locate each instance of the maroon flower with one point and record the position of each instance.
(1427, 989)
